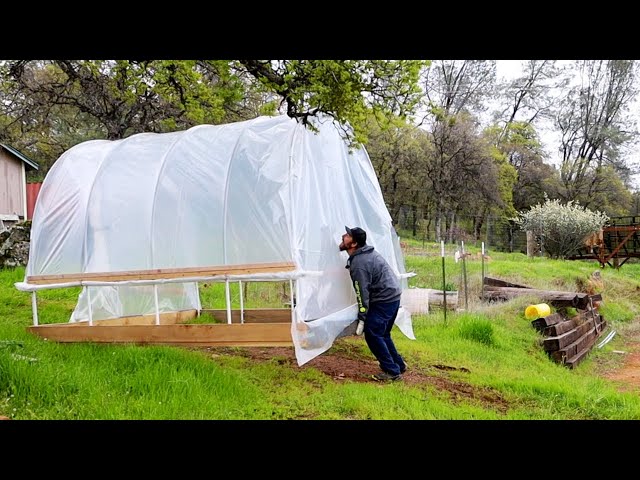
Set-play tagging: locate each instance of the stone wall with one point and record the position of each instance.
(14, 245)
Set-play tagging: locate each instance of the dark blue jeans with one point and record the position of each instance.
(377, 333)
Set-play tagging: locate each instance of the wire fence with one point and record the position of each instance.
(497, 234)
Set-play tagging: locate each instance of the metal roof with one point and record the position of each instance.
(22, 157)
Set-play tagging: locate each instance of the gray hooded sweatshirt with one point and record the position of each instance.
(373, 279)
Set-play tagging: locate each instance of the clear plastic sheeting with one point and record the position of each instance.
(264, 190)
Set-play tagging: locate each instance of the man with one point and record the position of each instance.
(378, 294)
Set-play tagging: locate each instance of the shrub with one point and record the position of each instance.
(562, 229)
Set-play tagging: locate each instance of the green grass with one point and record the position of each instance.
(497, 368)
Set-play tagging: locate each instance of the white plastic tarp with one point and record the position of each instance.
(264, 190)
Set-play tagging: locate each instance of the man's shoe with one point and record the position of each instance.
(384, 377)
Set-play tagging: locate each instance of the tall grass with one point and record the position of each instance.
(489, 357)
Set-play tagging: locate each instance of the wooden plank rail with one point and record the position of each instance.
(163, 273)
(254, 315)
(264, 334)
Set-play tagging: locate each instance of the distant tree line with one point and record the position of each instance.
(446, 138)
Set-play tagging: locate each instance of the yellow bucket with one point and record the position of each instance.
(537, 311)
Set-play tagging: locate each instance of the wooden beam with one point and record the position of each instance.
(170, 318)
(496, 282)
(560, 341)
(572, 354)
(570, 324)
(159, 273)
(543, 322)
(257, 334)
(561, 298)
(615, 251)
(253, 315)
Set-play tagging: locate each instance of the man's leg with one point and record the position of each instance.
(375, 328)
(391, 311)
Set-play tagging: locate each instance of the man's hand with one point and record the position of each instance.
(360, 327)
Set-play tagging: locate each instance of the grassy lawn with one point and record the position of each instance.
(489, 348)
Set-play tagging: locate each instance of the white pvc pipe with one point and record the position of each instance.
(155, 299)
(258, 277)
(85, 284)
(241, 302)
(89, 303)
(34, 307)
(228, 300)
(291, 290)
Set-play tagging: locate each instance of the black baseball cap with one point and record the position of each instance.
(358, 235)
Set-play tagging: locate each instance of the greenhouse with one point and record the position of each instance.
(267, 191)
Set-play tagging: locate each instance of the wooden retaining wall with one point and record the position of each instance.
(261, 328)
(568, 340)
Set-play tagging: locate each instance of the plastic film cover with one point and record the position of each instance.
(263, 190)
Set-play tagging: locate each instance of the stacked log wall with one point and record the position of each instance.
(568, 340)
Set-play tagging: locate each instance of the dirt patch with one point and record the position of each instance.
(345, 362)
(627, 375)
(622, 364)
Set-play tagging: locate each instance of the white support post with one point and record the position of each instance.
(89, 304)
(155, 299)
(241, 302)
(228, 299)
(34, 308)
(291, 290)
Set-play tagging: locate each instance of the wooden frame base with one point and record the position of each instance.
(256, 331)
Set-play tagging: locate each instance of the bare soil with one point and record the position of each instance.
(626, 374)
(346, 362)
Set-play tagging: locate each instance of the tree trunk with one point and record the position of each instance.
(531, 244)
(414, 211)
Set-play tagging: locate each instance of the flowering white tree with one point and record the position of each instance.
(561, 228)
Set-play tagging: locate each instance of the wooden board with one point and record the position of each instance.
(543, 322)
(571, 323)
(577, 349)
(561, 341)
(242, 335)
(558, 298)
(170, 318)
(496, 282)
(571, 362)
(159, 273)
(253, 315)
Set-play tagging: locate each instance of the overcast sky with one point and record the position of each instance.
(507, 69)
(550, 138)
